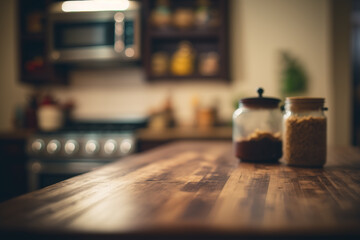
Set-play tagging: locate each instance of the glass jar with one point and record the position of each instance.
(257, 129)
(304, 132)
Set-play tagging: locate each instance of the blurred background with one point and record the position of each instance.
(175, 69)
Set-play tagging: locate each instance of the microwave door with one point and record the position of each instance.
(94, 35)
(78, 37)
(82, 41)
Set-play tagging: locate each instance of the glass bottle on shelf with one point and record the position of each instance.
(159, 63)
(182, 61)
(209, 64)
(161, 14)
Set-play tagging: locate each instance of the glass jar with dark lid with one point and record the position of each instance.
(257, 127)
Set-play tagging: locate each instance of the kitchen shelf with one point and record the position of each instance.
(204, 40)
(183, 34)
(43, 78)
(33, 37)
(189, 77)
(32, 45)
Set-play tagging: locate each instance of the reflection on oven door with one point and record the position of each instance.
(44, 174)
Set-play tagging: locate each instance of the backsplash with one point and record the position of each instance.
(114, 93)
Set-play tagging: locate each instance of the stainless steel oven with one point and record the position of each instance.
(88, 31)
(78, 148)
(42, 173)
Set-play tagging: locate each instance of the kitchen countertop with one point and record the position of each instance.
(178, 133)
(196, 189)
(18, 134)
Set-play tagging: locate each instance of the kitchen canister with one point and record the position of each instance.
(50, 118)
(304, 124)
(257, 129)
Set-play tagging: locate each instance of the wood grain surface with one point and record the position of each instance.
(195, 189)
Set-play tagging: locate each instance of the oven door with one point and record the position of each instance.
(42, 174)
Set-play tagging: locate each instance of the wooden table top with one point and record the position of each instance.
(195, 189)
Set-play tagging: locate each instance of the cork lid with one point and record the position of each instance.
(260, 101)
(305, 103)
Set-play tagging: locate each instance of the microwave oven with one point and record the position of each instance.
(94, 31)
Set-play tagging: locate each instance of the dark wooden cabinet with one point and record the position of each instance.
(13, 174)
(355, 57)
(203, 39)
(207, 40)
(34, 66)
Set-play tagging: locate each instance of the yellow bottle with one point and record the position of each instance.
(182, 62)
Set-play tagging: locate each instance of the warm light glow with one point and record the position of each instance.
(129, 52)
(95, 5)
(119, 17)
(119, 46)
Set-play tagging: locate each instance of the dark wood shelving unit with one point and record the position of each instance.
(189, 77)
(203, 39)
(33, 47)
(184, 34)
(33, 37)
(355, 22)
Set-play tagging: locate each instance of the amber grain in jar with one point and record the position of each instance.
(304, 140)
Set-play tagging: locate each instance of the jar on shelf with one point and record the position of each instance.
(183, 18)
(159, 63)
(257, 129)
(304, 132)
(34, 23)
(161, 14)
(202, 13)
(209, 64)
(182, 61)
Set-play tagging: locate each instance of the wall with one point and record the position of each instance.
(11, 93)
(341, 71)
(263, 28)
(259, 30)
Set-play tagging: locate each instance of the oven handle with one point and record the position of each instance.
(35, 168)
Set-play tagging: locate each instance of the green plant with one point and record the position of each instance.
(293, 76)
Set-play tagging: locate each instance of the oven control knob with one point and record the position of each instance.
(53, 146)
(71, 147)
(91, 147)
(37, 146)
(126, 146)
(110, 146)
(35, 167)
